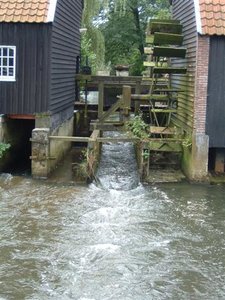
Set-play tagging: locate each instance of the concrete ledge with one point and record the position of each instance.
(46, 152)
(195, 160)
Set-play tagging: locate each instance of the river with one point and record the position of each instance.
(116, 240)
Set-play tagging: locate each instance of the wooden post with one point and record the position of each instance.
(100, 98)
(220, 160)
(126, 101)
(137, 92)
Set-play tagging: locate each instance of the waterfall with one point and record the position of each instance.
(118, 167)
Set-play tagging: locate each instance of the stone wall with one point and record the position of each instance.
(46, 152)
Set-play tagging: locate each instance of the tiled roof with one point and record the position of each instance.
(212, 14)
(32, 11)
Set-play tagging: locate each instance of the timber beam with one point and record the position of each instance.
(107, 126)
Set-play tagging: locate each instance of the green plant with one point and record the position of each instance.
(138, 127)
(187, 143)
(3, 148)
(146, 154)
(87, 165)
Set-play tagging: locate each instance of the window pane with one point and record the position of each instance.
(0, 71)
(11, 52)
(4, 72)
(11, 72)
(10, 62)
(0, 51)
(4, 63)
(5, 51)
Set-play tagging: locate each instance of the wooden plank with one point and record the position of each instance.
(149, 97)
(100, 98)
(21, 117)
(166, 140)
(71, 138)
(169, 70)
(126, 97)
(95, 134)
(165, 147)
(117, 140)
(165, 27)
(148, 50)
(166, 111)
(170, 21)
(168, 39)
(119, 126)
(112, 109)
(169, 52)
(172, 90)
(137, 104)
(162, 130)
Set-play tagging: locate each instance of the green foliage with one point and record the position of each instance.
(3, 148)
(124, 30)
(116, 31)
(89, 50)
(187, 143)
(146, 154)
(92, 42)
(138, 127)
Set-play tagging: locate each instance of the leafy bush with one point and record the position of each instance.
(138, 127)
(3, 148)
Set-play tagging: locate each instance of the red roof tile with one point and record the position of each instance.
(212, 13)
(32, 11)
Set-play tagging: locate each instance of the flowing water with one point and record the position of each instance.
(116, 240)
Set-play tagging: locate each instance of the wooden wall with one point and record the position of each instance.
(215, 122)
(29, 94)
(184, 11)
(65, 49)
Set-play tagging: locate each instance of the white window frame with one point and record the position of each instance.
(7, 63)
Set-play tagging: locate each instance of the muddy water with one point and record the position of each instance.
(100, 242)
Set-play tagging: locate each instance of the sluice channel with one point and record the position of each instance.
(116, 239)
(117, 168)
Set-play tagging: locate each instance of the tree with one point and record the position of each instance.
(121, 24)
(92, 42)
(125, 32)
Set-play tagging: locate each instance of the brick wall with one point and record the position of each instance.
(201, 85)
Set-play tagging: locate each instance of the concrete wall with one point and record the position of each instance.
(195, 158)
(46, 152)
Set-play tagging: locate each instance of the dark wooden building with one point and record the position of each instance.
(202, 108)
(39, 44)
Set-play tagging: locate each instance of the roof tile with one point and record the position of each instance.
(24, 11)
(212, 14)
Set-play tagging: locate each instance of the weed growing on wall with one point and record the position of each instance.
(3, 148)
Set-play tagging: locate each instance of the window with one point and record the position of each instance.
(7, 63)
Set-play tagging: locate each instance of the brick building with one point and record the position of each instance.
(202, 110)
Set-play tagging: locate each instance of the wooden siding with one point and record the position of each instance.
(184, 11)
(65, 49)
(29, 93)
(215, 122)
